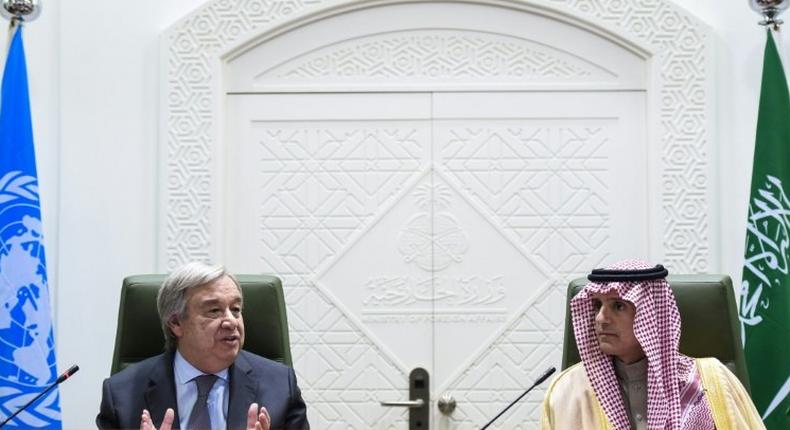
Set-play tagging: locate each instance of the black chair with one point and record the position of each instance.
(709, 321)
(139, 334)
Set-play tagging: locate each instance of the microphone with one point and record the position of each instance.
(538, 381)
(65, 375)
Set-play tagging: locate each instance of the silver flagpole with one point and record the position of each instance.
(18, 12)
(770, 10)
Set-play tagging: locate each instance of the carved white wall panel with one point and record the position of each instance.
(320, 183)
(473, 46)
(552, 169)
(475, 286)
(308, 177)
(680, 46)
(508, 367)
(550, 176)
(678, 43)
(327, 190)
(437, 56)
(342, 374)
(547, 184)
(389, 227)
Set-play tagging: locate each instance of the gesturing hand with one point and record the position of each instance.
(257, 418)
(147, 424)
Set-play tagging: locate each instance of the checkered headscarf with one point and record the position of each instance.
(657, 328)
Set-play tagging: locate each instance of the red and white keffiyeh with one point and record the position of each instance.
(674, 396)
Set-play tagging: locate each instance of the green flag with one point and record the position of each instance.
(765, 290)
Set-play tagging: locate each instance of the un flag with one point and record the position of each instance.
(27, 343)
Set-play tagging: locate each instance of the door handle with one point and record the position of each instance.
(419, 400)
(406, 403)
(446, 404)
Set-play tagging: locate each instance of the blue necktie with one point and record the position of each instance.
(199, 418)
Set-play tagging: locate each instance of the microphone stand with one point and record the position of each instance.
(66, 375)
(539, 381)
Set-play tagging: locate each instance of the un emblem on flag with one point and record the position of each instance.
(27, 356)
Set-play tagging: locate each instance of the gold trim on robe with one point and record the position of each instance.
(571, 404)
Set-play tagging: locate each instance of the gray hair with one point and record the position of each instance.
(171, 301)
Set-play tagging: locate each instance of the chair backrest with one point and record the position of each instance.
(709, 321)
(139, 334)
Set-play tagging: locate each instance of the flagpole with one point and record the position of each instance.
(18, 12)
(32, 346)
(765, 286)
(770, 10)
(11, 27)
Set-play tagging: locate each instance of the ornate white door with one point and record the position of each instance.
(426, 176)
(430, 230)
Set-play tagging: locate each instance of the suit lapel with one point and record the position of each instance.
(161, 392)
(242, 392)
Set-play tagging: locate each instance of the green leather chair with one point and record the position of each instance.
(139, 334)
(709, 321)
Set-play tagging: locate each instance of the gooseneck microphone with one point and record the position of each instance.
(65, 375)
(538, 381)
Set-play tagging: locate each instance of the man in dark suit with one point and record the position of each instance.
(204, 380)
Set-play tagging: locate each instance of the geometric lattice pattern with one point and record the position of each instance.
(546, 184)
(679, 42)
(322, 182)
(342, 372)
(675, 39)
(343, 376)
(508, 367)
(436, 55)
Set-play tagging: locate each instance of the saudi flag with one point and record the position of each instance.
(765, 290)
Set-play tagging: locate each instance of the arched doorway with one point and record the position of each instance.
(426, 177)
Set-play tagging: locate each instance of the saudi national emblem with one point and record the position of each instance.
(433, 244)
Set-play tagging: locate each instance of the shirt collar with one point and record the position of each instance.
(631, 372)
(185, 372)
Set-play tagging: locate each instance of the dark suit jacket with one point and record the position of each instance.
(150, 384)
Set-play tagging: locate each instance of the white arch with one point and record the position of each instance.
(677, 43)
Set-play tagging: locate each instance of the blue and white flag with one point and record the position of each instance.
(27, 342)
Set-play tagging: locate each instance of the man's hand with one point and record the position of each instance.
(257, 419)
(147, 424)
